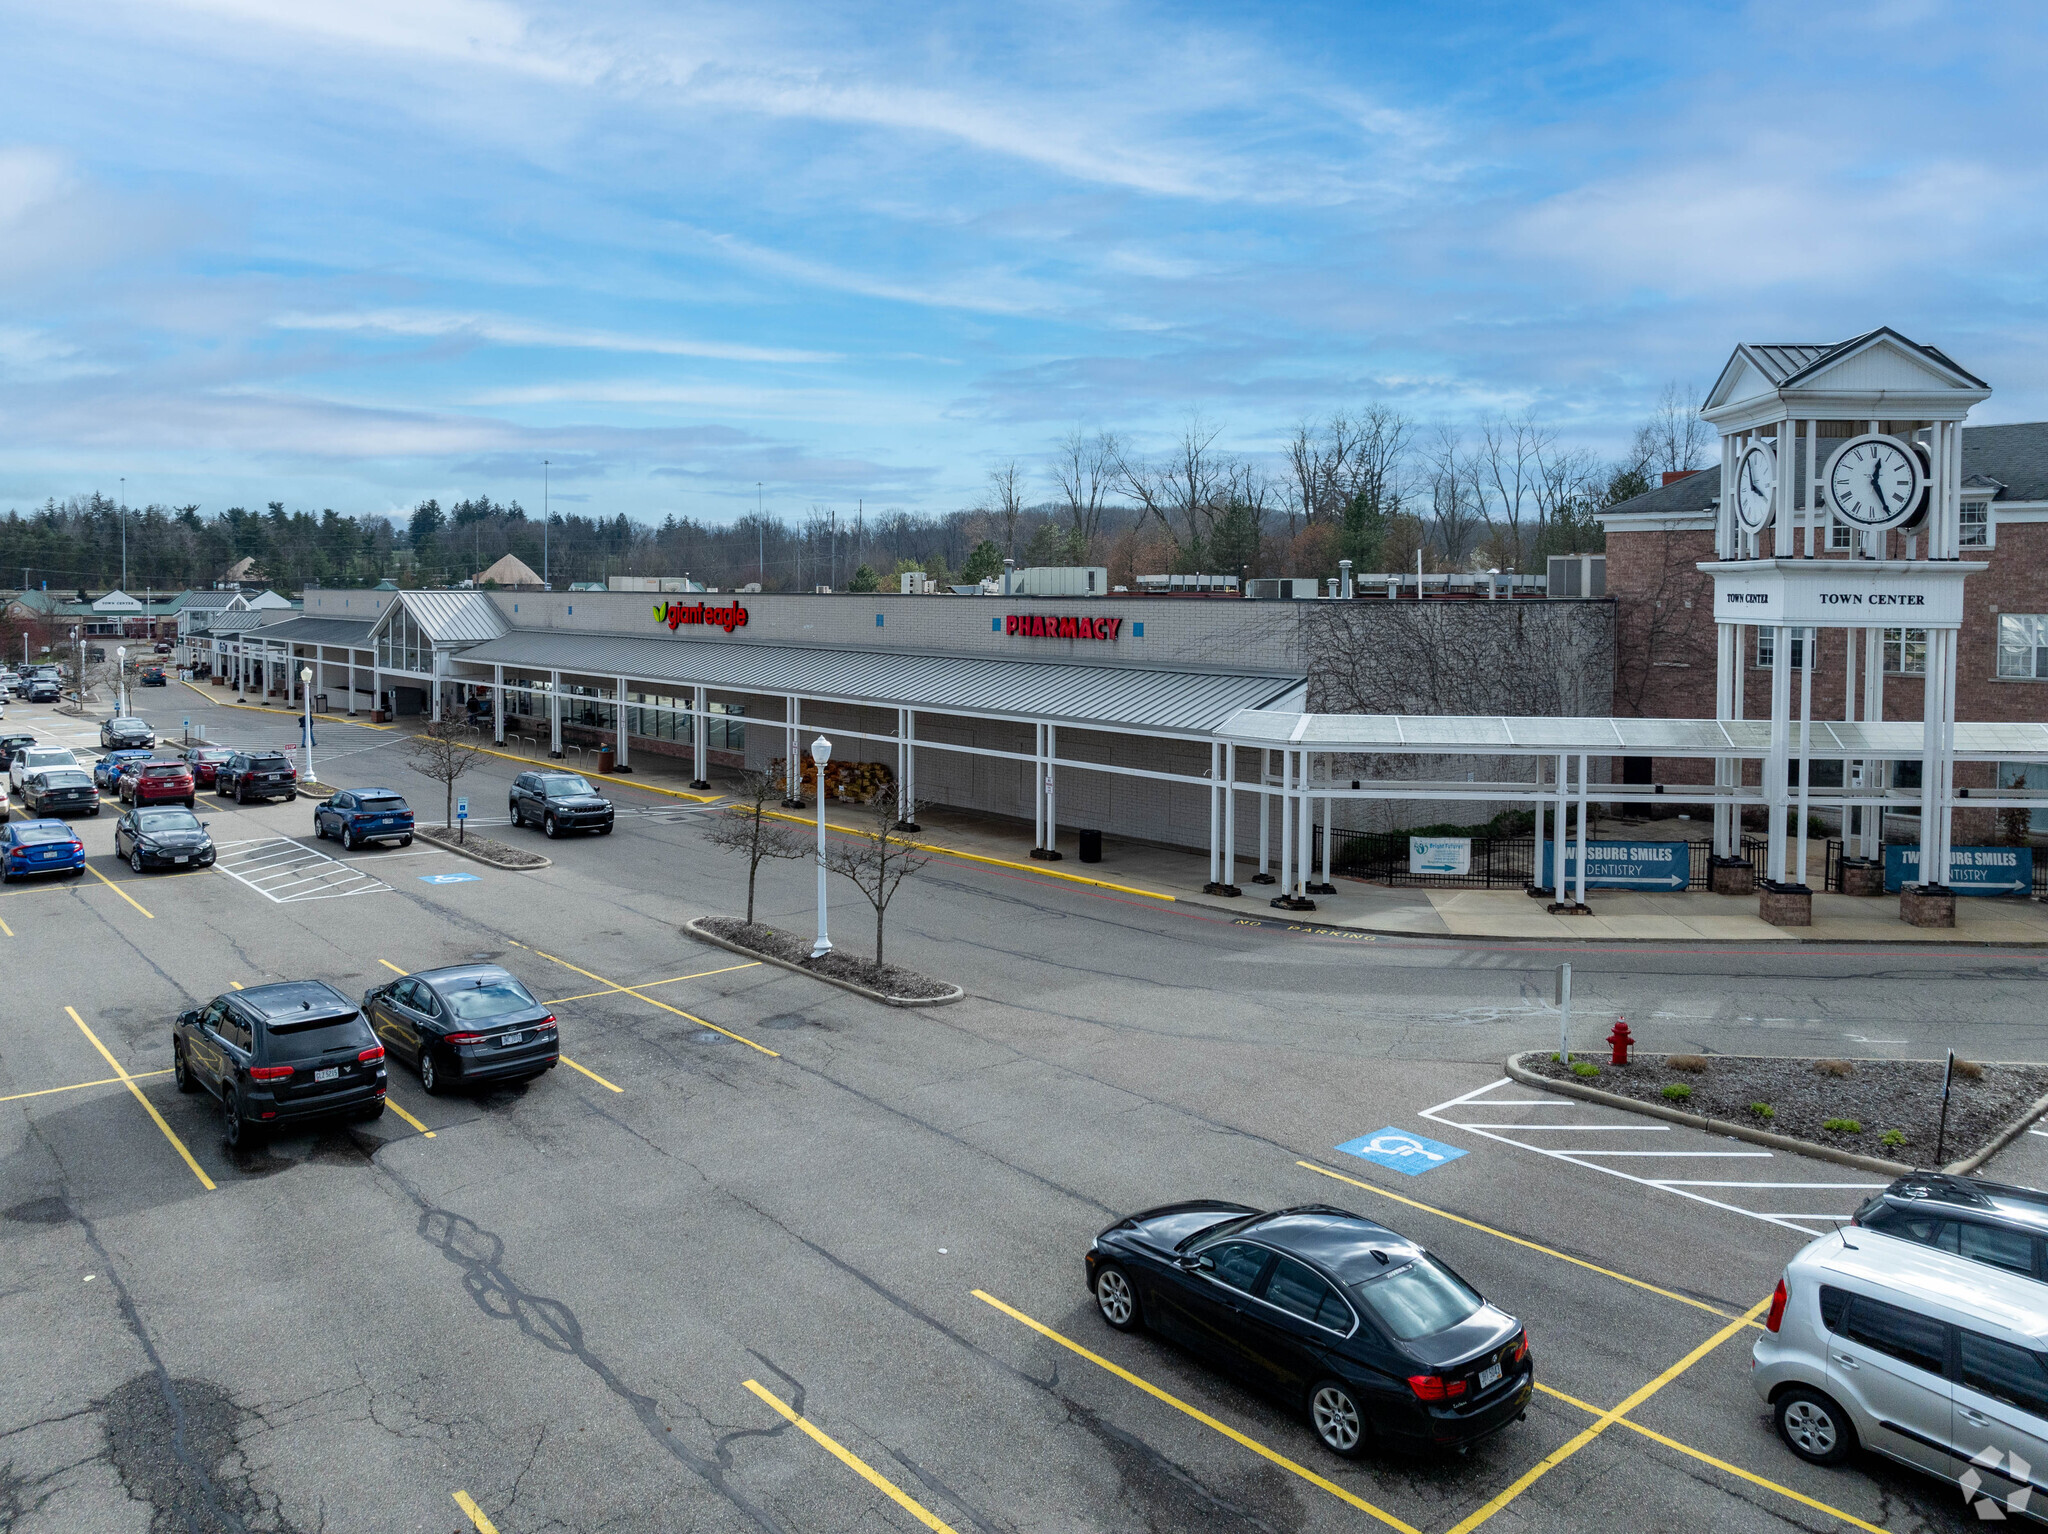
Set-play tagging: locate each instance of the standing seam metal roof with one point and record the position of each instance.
(327, 631)
(458, 617)
(1099, 696)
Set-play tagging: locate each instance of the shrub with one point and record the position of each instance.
(1833, 1068)
(1687, 1062)
(1763, 1110)
(1969, 1070)
(1843, 1126)
(1678, 1092)
(1585, 1068)
(1893, 1137)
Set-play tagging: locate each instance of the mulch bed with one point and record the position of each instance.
(889, 979)
(481, 848)
(1881, 1095)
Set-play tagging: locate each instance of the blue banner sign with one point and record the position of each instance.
(1971, 870)
(1624, 865)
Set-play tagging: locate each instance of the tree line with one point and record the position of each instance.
(1371, 485)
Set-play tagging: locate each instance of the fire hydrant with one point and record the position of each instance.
(1621, 1038)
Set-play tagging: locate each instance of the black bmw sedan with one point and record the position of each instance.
(1373, 1338)
(467, 1024)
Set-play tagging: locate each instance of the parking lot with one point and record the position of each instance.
(764, 1255)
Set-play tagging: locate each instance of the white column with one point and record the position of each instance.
(434, 683)
(907, 807)
(902, 771)
(1816, 519)
(1805, 745)
(1052, 791)
(1305, 848)
(792, 712)
(1215, 813)
(352, 652)
(1780, 752)
(1230, 814)
(555, 714)
(1536, 800)
(1873, 710)
(1286, 823)
(619, 716)
(1564, 818)
(498, 704)
(700, 731)
(1328, 804)
(1265, 825)
(1727, 774)
(1579, 886)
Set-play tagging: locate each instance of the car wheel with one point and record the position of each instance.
(181, 1072)
(191, 801)
(76, 873)
(405, 840)
(1117, 1299)
(319, 828)
(512, 809)
(135, 860)
(1333, 1412)
(241, 794)
(288, 798)
(1814, 1427)
(605, 829)
(93, 811)
(430, 1073)
(237, 1131)
(548, 827)
(348, 840)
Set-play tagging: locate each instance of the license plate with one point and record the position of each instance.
(513, 1038)
(333, 1071)
(183, 857)
(1488, 1376)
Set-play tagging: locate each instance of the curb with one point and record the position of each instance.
(1999, 1141)
(477, 857)
(716, 941)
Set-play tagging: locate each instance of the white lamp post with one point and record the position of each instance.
(306, 692)
(120, 680)
(821, 753)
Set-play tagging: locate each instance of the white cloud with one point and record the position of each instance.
(509, 332)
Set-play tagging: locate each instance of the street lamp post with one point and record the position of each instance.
(306, 692)
(120, 680)
(821, 753)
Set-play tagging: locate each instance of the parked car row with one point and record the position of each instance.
(277, 1055)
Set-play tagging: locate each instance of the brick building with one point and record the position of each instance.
(1665, 640)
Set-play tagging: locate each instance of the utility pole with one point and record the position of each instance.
(760, 542)
(121, 516)
(544, 520)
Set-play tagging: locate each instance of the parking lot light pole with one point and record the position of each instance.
(306, 692)
(821, 753)
(120, 680)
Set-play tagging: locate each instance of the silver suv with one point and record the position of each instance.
(1925, 1357)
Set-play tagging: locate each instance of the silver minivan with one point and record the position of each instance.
(1923, 1356)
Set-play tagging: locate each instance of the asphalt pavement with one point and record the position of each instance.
(542, 1308)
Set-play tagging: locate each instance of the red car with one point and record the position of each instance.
(205, 762)
(157, 783)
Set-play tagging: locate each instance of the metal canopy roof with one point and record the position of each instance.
(1187, 702)
(450, 617)
(354, 632)
(1490, 735)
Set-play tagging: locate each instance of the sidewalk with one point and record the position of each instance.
(1177, 875)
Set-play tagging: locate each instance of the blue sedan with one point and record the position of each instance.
(106, 772)
(39, 847)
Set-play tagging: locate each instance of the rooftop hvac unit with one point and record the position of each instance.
(1578, 575)
(1289, 588)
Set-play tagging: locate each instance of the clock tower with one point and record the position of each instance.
(1840, 517)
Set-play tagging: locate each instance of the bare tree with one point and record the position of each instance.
(1086, 473)
(1319, 462)
(441, 754)
(1674, 439)
(1181, 489)
(877, 858)
(1503, 472)
(1455, 517)
(1006, 501)
(746, 825)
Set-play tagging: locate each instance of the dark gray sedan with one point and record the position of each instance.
(155, 837)
(469, 1023)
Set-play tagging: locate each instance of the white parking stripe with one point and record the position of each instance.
(1455, 1114)
(284, 871)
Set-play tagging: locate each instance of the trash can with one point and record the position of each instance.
(1091, 846)
(606, 759)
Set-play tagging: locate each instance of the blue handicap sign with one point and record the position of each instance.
(448, 878)
(462, 809)
(1645, 865)
(1404, 1152)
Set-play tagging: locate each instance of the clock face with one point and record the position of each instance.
(1874, 481)
(1756, 485)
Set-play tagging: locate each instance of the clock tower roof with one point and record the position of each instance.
(1879, 373)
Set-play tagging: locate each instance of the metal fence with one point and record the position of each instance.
(1833, 875)
(1504, 862)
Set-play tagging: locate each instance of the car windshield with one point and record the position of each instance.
(130, 724)
(66, 780)
(50, 756)
(269, 763)
(494, 998)
(317, 1035)
(1229, 1227)
(163, 769)
(381, 804)
(563, 788)
(167, 820)
(42, 833)
(1418, 1299)
(212, 754)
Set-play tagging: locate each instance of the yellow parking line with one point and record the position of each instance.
(1534, 1246)
(588, 1072)
(110, 884)
(630, 991)
(648, 985)
(857, 1465)
(1271, 1455)
(6, 929)
(390, 966)
(484, 1525)
(392, 1103)
(1719, 1464)
(1603, 1422)
(80, 1086)
(148, 1106)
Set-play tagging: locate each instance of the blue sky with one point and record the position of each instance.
(351, 253)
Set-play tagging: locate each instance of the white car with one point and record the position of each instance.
(6, 809)
(38, 759)
(1919, 1354)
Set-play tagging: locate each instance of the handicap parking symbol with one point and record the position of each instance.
(1404, 1152)
(448, 878)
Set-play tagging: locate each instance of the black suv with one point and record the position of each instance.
(126, 735)
(1989, 1222)
(276, 1054)
(256, 775)
(560, 801)
(468, 1023)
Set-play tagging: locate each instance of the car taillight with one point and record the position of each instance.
(269, 1072)
(1521, 1349)
(1778, 1298)
(546, 1022)
(1434, 1387)
(374, 1052)
(465, 1038)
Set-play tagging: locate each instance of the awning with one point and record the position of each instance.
(351, 632)
(1098, 697)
